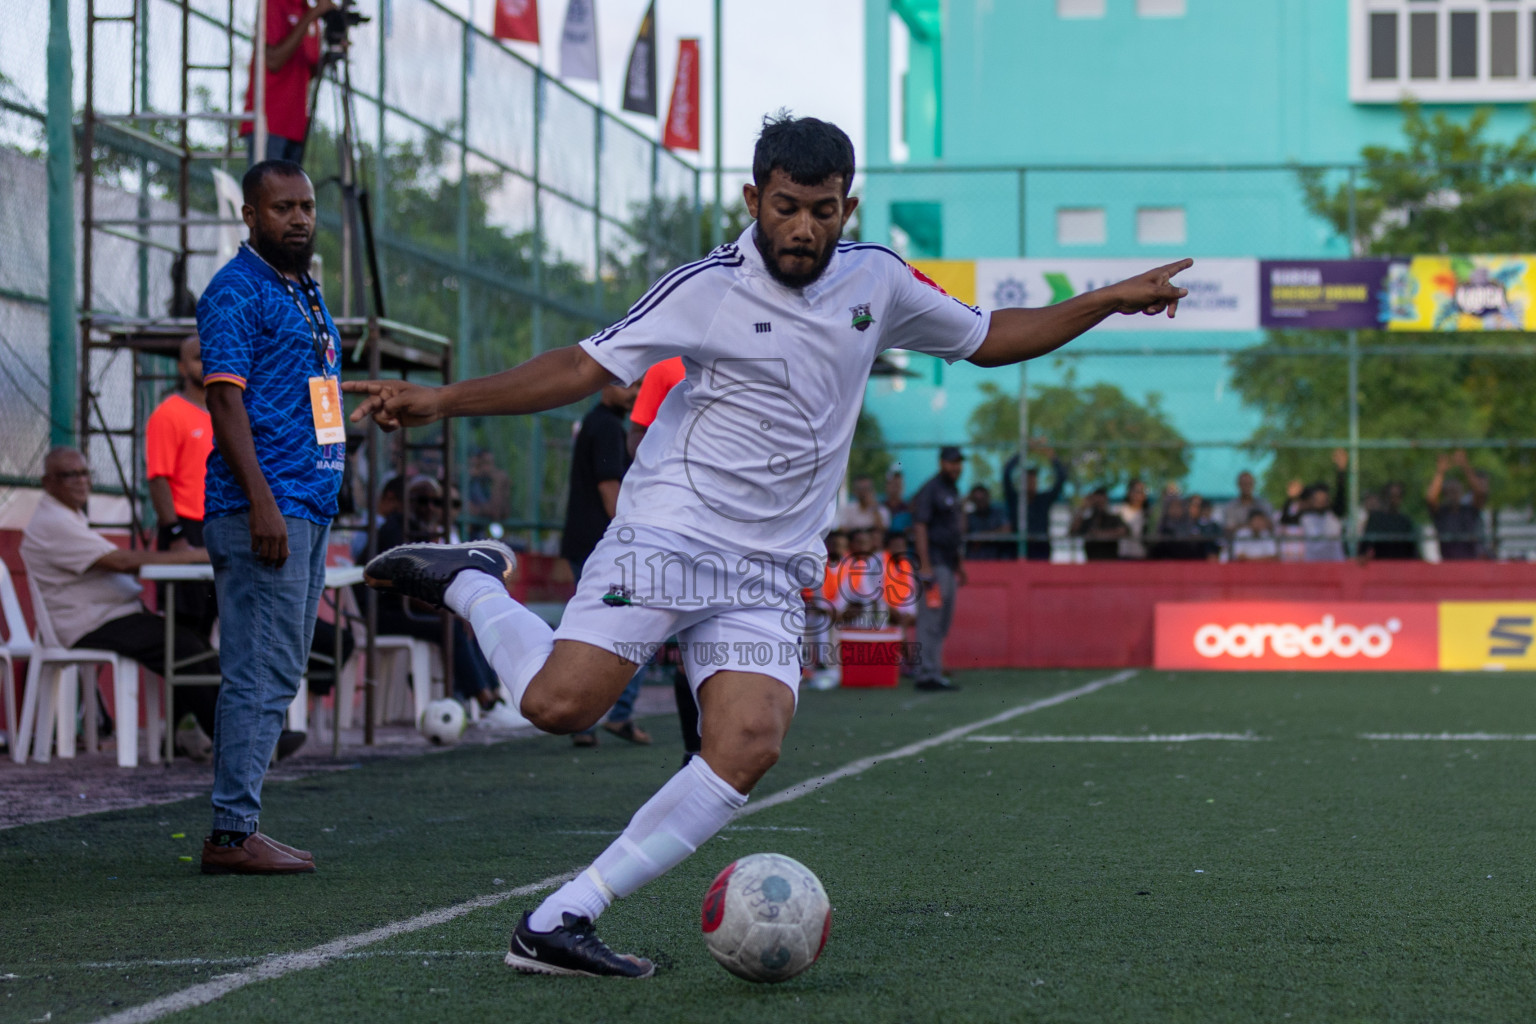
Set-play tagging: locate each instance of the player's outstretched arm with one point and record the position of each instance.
(547, 381)
(1019, 334)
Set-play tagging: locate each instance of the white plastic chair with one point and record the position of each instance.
(423, 664)
(18, 644)
(51, 694)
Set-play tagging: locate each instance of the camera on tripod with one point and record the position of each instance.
(337, 21)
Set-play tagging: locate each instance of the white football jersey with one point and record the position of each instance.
(749, 450)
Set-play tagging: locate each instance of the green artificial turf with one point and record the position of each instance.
(1307, 875)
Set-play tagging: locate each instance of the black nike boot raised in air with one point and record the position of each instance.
(573, 949)
(423, 571)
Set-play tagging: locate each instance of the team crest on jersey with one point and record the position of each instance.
(861, 317)
(618, 596)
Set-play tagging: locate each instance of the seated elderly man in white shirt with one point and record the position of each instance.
(93, 601)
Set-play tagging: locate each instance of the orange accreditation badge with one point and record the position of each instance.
(325, 403)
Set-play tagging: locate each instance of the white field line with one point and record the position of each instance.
(1181, 737)
(231, 961)
(278, 965)
(286, 963)
(1453, 737)
(864, 764)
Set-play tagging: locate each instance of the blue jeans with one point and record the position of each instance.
(265, 631)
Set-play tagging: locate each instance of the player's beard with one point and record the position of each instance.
(771, 259)
(286, 256)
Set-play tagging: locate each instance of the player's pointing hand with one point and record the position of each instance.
(395, 403)
(1152, 292)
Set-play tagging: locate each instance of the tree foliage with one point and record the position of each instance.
(1084, 423)
(1448, 188)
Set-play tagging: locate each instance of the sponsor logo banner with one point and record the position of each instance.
(1297, 636)
(1322, 294)
(1487, 635)
(1462, 293)
(1223, 293)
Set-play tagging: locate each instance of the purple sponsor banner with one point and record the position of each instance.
(1328, 294)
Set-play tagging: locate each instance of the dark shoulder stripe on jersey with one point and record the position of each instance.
(666, 286)
(725, 255)
(851, 246)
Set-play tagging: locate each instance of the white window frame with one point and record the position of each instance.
(1086, 212)
(1074, 10)
(1444, 88)
(1149, 217)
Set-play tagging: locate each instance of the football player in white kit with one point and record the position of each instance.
(721, 517)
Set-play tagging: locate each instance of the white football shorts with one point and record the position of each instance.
(730, 611)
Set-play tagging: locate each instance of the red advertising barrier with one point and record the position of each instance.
(1100, 615)
(1297, 636)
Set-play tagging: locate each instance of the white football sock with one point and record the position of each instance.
(693, 805)
(514, 640)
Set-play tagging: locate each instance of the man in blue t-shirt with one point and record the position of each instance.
(271, 366)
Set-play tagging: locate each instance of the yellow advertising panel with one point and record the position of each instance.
(1487, 635)
(1462, 293)
(957, 277)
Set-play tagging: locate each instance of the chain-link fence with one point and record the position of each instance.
(1189, 405)
(510, 214)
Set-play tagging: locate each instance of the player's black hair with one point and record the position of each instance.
(250, 185)
(807, 149)
(394, 487)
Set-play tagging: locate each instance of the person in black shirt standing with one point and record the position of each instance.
(1389, 534)
(598, 463)
(938, 528)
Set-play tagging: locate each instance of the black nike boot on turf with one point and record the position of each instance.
(573, 949)
(423, 571)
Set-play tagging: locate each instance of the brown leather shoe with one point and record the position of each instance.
(291, 850)
(257, 855)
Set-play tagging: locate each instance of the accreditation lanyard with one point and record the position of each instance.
(324, 391)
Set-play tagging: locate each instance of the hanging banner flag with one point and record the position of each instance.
(578, 41)
(1323, 294)
(640, 78)
(1462, 293)
(1223, 293)
(683, 112)
(517, 19)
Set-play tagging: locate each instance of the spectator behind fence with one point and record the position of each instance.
(985, 525)
(1037, 503)
(1458, 515)
(864, 511)
(1134, 513)
(1207, 528)
(896, 501)
(293, 57)
(1321, 515)
(1389, 533)
(1237, 513)
(1100, 529)
(490, 489)
(1255, 541)
(93, 602)
(1186, 531)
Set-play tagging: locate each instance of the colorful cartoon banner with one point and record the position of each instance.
(1462, 293)
(1322, 294)
(1223, 293)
